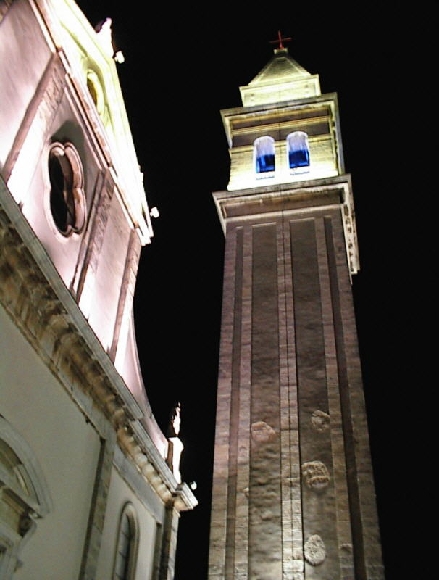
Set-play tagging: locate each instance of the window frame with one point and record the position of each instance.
(264, 142)
(303, 136)
(72, 189)
(22, 480)
(128, 514)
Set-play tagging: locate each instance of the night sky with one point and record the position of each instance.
(183, 63)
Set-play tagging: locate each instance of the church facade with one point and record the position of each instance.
(293, 489)
(89, 485)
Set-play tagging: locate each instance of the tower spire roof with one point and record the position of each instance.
(282, 79)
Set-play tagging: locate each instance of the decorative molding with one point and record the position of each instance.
(315, 552)
(262, 432)
(320, 420)
(316, 475)
(36, 299)
(289, 199)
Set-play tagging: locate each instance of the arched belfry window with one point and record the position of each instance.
(127, 545)
(298, 150)
(264, 152)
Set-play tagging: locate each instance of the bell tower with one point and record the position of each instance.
(293, 490)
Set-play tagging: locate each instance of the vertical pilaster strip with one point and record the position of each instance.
(169, 543)
(318, 501)
(291, 490)
(360, 481)
(287, 530)
(34, 128)
(85, 284)
(233, 501)
(98, 508)
(339, 467)
(265, 518)
(244, 426)
(157, 550)
(346, 411)
(77, 282)
(124, 306)
(218, 527)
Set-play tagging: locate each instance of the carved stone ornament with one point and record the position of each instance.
(314, 551)
(316, 475)
(320, 420)
(42, 309)
(262, 432)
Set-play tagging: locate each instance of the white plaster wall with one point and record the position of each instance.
(130, 369)
(62, 250)
(119, 494)
(24, 55)
(19, 75)
(109, 274)
(104, 279)
(65, 446)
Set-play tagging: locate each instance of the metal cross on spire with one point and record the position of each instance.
(280, 40)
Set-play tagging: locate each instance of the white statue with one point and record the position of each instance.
(175, 444)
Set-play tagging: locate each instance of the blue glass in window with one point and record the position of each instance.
(265, 163)
(298, 158)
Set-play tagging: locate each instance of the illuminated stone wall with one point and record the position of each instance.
(293, 491)
(79, 444)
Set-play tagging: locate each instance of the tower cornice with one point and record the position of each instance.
(294, 198)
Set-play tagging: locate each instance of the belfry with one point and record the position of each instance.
(293, 489)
